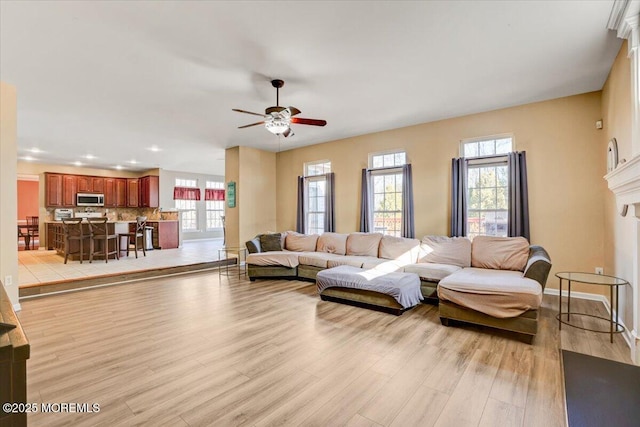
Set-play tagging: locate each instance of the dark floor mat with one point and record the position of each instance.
(601, 392)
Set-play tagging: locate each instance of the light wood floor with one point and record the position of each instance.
(196, 350)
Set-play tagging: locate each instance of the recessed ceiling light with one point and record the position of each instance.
(118, 167)
(77, 163)
(28, 158)
(35, 150)
(133, 162)
(154, 148)
(89, 157)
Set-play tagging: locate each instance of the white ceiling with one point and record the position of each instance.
(112, 79)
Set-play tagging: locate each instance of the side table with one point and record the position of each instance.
(615, 327)
(240, 253)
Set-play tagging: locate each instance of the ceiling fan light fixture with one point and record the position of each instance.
(277, 126)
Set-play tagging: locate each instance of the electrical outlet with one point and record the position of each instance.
(8, 280)
(599, 270)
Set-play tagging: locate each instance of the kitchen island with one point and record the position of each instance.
(164, 236)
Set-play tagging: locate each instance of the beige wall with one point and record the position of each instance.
(254, 172)
(8, 195)
(565, 166)
(618, 230)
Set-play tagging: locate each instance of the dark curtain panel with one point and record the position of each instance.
(408, 222)
(458, 197)
(518, 195)
(329, 203)
(366, 210)
(300, 225)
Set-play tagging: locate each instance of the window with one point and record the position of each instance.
(315, 203)
(386, 177)
(214, 208)
(487, 185)
(187, 208)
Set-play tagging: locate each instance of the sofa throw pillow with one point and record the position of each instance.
(301, 242)
(253, 245)
(399, 248)
(271, 242)
(446, 250)
(500, 253)
(363, 244)
(332, 243)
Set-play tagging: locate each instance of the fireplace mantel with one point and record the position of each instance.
(624, 182)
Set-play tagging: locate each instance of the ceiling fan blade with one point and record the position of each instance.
(248, 112)
(294, 111)
(312, 122)
(252, 124)
(288, 132)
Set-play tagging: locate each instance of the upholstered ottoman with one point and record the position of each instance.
(389, 292)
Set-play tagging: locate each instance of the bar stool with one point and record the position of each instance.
(100, 232)
(73, 232)
(141, 222)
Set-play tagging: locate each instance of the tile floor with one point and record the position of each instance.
(42, 266)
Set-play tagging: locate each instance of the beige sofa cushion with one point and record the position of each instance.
(500, 253)
(498, 293)
(301, 242)
(333, 243)
(431, 271)
(280, 258)
(399, 248)
(446, 250)
(363, 244)
(317, 259)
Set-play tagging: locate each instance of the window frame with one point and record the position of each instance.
(384, 171)
(319, 213)
(218, 185)
(184, 212)
(478, 162)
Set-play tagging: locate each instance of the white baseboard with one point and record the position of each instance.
(628, 335)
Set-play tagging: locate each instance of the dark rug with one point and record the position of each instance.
(601, 392)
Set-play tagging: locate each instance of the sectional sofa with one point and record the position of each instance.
(491, 281)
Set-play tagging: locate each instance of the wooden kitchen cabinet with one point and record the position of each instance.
(69, 190)
(149, 191)
(84, 184)
(132, 192)
(110, 198)
(121, 192)
(165, 234)
(97, 184)
(53, 187)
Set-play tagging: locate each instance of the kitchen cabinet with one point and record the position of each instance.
(53, 187)
(110, 199)
(69, 190)
(90, 184)
(121, 192)
(165, 234)
(132, 192)
(149, 191)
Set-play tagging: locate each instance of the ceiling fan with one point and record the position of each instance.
(277, 119)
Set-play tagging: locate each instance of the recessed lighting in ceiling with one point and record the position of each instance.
(89, 157)
(119, 167)
(133, 162)
(36, 150)
(28, 158)
(154, 148)
(77, 163)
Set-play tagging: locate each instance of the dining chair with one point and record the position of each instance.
(33, 228)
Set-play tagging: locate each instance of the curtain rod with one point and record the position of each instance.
(386, 168)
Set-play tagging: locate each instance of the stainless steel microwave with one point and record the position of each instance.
(89, 199)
